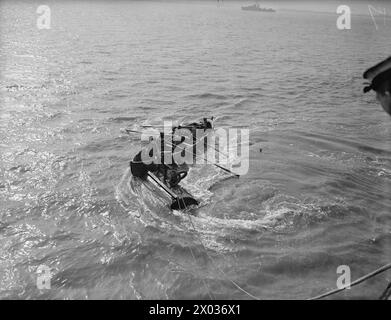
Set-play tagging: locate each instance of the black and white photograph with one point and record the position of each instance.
(195, 150)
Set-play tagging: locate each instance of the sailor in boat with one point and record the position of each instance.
(169, 173)
(380, 77)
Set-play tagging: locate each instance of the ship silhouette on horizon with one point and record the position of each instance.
(256, 7)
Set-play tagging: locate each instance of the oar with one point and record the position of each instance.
(221, 167)
(227, 170)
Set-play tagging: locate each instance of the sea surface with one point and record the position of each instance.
(316, 197)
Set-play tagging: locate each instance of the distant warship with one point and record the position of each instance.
(256, 7)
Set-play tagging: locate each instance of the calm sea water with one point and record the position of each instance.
(315, 198)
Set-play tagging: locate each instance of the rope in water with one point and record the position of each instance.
(216, 266)
(203, 280)
(195, 260)
(354, 283)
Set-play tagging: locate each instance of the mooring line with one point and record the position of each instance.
(203, 280)
(195, 260)
(217, 267)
